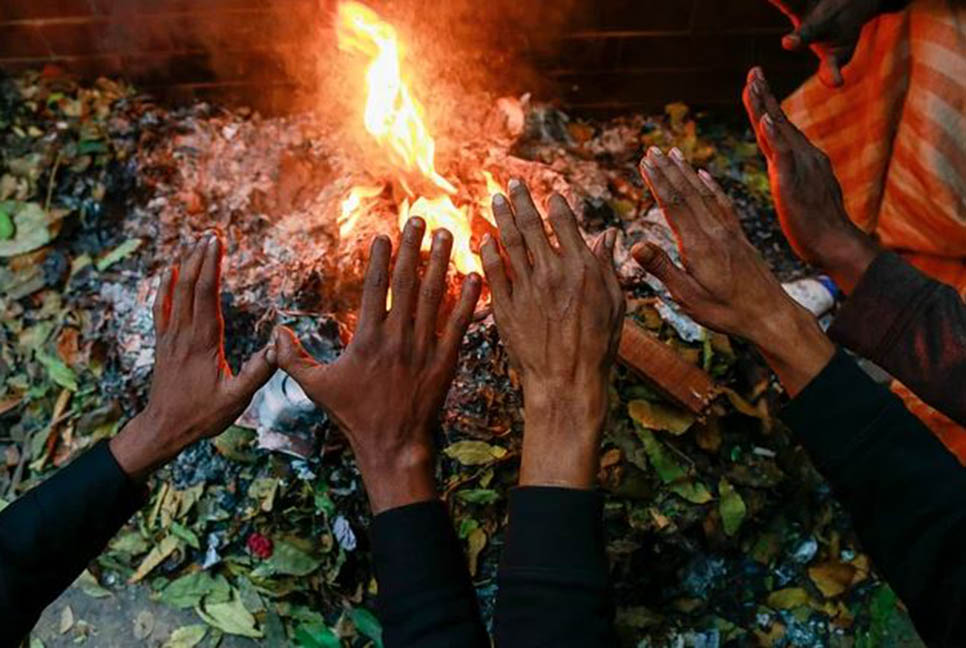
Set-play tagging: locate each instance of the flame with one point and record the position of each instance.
(350, 213)
(394, 118)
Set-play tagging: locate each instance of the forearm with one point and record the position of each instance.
(912, 326)
(905, 492)
(50, 534)
(426, 597)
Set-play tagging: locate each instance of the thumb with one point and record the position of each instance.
(816, 27)
(254, 373)
(291, 357)
(656, 261)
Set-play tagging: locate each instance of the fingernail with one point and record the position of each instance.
(514, 184)
(677, 154)
(212, 241)
(442, 235)
(704, 175)
(768, 122)
(271, 355)
(610, 238)
(417, 222)
(647, 163)
(499, 200)
(474, 279)
(655, 151)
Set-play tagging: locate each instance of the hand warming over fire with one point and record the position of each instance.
(559, 311)
(725, 284)
(807, 194)
(193, 392)
(831, 28)
(386, 390)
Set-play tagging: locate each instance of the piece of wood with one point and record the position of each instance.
(664, 370)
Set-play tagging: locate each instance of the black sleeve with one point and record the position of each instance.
(50, 534)
(554, 588)
(912, 326)
(906, 493)
(425, 596)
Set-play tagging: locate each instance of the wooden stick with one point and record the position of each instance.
(664, 370)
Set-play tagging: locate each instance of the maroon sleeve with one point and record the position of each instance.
(912, 326)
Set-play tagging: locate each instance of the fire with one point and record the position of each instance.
(394, 118)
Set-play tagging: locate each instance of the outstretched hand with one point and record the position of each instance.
(807, 194)
(193, 392)
(725, 283)
(559, 312)
(386, 390)
(830, 28)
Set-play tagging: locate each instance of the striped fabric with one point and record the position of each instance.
(896, 135)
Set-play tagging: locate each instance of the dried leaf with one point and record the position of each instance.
(187, 636)
(155, 557)
(122, 251)
(287, 559)
(89, 585)
(230, 617)
(475, 542)
(189, 590)
(59, 373)
(33, 228)
(670, 472)
(788, 598)
(263, 489)
(731, 507)
(832, 578)
(657, 416)
(66, 619)
(474, 453)
(143, 625)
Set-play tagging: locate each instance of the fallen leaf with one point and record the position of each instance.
(289, 560)
(669, 471)
(263, 489)
(187, 636)
(59, 372)
(366, 623)
(316, 635)
(832, 577)
(230, 617)
(477, 495)
(657, 416)
(475, 542)
(189, 590)
(122, 251)
(143, 625)
(473, 453)
(731, 507)
(155, 557)
(89, 585)
(66, 619)
(788, 598)
(33, 228)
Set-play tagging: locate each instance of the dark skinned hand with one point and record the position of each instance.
(386, 390)
(193, 392)
(807, 194)
(559, 312)
(830, 28)
(725, 283)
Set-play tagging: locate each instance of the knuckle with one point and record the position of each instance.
(511, 238)
(431, 290)
(376, 280)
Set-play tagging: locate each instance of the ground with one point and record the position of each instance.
(719, 530)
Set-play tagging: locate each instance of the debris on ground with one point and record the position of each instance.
(720, 531)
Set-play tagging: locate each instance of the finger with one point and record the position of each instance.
(405, 276)
(604, 251)
(671, 202)
(815, 27)
(459, 319)
(511, 238)
(782, 157)
(755, 106)
(530, 224)
(564, 225)
(494, 270)
(697, 185)
(432, 288)
(162, 301)
(183, 301)
(679, 283)
(207, 304)
(725, 208)
(697, 210)
(830, 71)
(372, 310)
(254, 373)
(292, 358)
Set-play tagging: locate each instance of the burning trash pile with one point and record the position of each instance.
(719, 529)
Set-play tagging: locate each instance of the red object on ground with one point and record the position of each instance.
(260, 546)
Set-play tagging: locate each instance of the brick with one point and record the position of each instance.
(737, 15)
(76, 38)
(21, 40)
(638, 15)
(30, 9)
(692, 51)
(579, 53)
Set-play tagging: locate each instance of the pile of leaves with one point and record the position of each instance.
(719, 530)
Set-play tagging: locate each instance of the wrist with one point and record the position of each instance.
(142, 446)
(404, 476)
(794, 345)
(562, 431)
(847, 260)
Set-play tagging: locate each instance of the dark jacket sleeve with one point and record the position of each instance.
(50, 534)
(554, 588)
(425, 596)
(905, 492)
(913, 327)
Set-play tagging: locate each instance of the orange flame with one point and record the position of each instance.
(394, 118)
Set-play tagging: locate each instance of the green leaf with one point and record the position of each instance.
(731, 507)
(185, 534)
(189, 590)
(33, 228)
(669, 471)
(288, 560)
(187, 636)
(122, 251)
(131, 543)
(155, 557)
(478, 496)
(6, 225)
(235, 443)
(59, 372)
(316, 635)
(230, 617)
(366, 623)
(474, 453)
(91, 146)
(89, 585)
(264, 489)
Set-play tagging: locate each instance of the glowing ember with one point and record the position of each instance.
(394, 118)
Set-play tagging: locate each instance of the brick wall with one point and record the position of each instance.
(617, 55)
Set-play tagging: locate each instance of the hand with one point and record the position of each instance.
(193, 393)
(831, 28)
(386, 390)
(725, 284)
(807, 195)
(560, 317)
